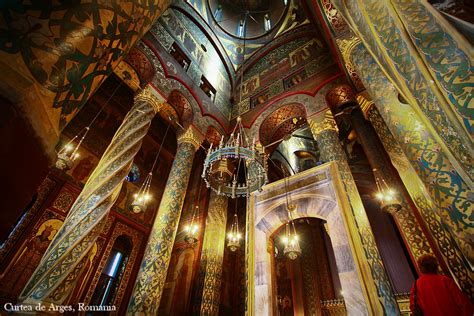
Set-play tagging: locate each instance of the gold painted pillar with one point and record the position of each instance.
(428, 62)
(151, 277)
(409, 222)
(56, 275)
(212, 255)
(438, 191)
(368, 259)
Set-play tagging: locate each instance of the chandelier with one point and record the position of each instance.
(234, 236)
(143, 196)
(191, 230)
(292, 249)
(388, 198)
(223, 163)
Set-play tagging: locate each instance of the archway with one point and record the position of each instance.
(318, 193)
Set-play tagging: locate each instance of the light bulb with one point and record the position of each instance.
(186, 228)
(68, 147)
(379, 195)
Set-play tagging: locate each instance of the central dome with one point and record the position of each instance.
(247, 18)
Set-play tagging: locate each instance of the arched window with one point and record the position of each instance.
(109, 281)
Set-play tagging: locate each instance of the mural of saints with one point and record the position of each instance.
(15, 276)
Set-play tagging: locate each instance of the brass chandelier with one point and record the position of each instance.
(222, 164)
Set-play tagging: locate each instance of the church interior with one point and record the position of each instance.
(234, 157)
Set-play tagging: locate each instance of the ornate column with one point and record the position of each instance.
(212, 255)
(151, 278)
(56, 275)
(408, 219)
(428, 62)
(438, 191)
(376, 281)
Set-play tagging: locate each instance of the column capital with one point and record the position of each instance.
(365, 103)
(322, 122)
(148, 94)
(191, 135)
(339, 96)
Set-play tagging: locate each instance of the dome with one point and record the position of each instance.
(247, 18)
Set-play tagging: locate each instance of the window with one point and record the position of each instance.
(267, 22)
(180, 56)
(109, 280)
(218, 13)
(241, 29)
(207, 88)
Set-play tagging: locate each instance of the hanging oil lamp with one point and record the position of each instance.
(292, 249)
(191, 230)
(234, 235)
(70, 152)
(143, 196)
(387, 197)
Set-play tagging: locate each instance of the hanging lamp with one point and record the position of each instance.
(70, 152)
(143, 196)
(234, 236)
(387, 196)
(191, 230)
(292, 249)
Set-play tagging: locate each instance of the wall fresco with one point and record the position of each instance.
(205, 60)
(281, 69)
(57, 54)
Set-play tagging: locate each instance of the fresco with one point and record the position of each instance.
(294, 18)
(281, 69)
(66, 49)
(205, 59)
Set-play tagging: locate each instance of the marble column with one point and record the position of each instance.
(57, 272)
(212, 255)
(151, 277)
(409, 222)
(325, 132)
(441, 195)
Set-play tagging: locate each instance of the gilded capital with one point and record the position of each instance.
(322, 122)
(150, 96)
(191, 135)
(339, 96)
(365, 104)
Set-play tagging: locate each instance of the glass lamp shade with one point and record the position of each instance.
(191, 232)
(64, 162)
(234, 241)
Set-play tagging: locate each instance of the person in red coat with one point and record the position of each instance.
(437, 294)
